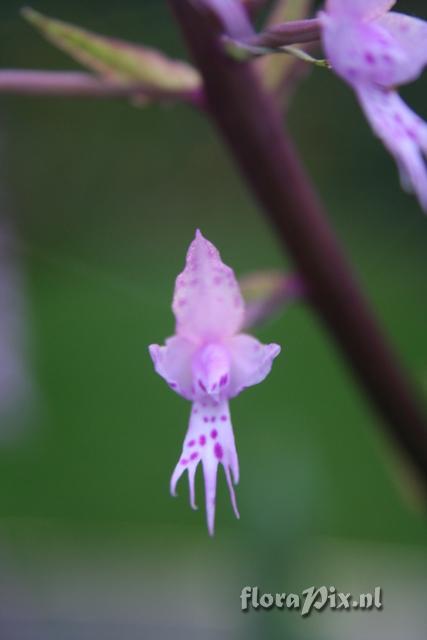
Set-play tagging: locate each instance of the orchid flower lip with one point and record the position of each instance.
(209, 361)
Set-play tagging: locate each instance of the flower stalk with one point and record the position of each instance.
(286, 34)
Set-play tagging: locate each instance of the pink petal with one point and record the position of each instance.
(209, 440)
(359, 9)
(173, 362)
(403, 133)
(251, 362)
(411, 35)
(207, 301)
(363, 52)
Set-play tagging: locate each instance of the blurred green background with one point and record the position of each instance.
(104, 199)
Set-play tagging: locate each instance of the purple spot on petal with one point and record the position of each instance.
(184, 461)
(180, 282)
(223, 381)
(201, 385)
(194, 455)
(205, 419)
(172, 385)
(369, 57)
(182, 302)
(223, 418)
(214, 434)
(218, 451)
(202, 440)
(213, 418)
(191, 443)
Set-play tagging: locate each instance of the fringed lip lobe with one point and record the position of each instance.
(209, 441)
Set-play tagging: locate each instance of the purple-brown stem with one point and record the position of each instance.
(252, 128)
(73, 84)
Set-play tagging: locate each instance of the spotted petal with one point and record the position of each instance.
(363, 52)
(359, 9)
(173, 362)
(251, 362)
(209, 440)
(207, 302)
(403, 133)
(411, 35)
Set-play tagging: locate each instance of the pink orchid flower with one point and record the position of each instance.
(376, 50)
(208, 362)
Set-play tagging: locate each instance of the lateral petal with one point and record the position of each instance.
(251, 362)
(173, 362)
(411, 35)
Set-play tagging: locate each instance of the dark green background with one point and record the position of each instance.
(105, 199)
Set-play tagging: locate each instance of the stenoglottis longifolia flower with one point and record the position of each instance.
(208, 362)
(375, 50)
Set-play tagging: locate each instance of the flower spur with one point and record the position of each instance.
(209, 362)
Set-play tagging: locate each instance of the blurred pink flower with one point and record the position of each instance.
(376, 50)
(208, 362)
